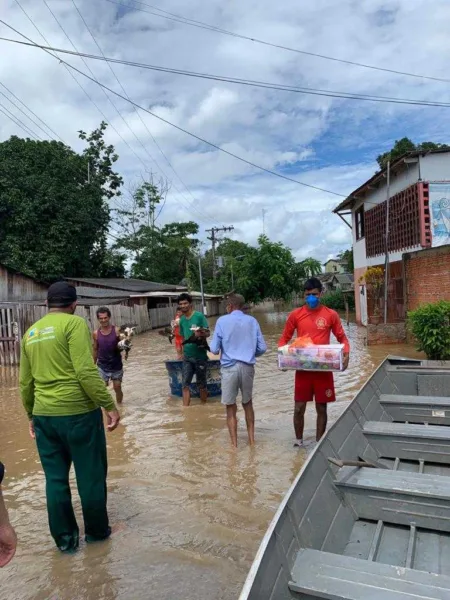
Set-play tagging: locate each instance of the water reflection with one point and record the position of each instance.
(190, 509)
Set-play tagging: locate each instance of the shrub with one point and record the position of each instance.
(430, 325)
(335, 300)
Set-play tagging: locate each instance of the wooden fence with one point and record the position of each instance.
(9, 335)
(16, 318)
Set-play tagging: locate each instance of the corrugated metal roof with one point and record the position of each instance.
(130, 285)
(81, 301)
(163, 294)
(92, 292)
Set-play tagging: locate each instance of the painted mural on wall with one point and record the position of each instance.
(440, 213)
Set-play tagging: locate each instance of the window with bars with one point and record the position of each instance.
(404, 222)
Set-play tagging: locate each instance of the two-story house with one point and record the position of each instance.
(419, 217)
(335, 265)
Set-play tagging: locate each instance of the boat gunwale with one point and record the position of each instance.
(248, 584)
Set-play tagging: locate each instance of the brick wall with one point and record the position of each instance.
(427, 276)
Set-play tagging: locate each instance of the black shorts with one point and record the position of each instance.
(197, 367)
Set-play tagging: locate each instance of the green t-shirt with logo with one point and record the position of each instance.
(58, 376)
(192, 350)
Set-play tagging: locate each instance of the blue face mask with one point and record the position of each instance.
(312, 301)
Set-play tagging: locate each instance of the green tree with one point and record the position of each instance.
(177, 253)
(311, 267)
(136, 218)
(234, 255)
(270, 272)
(400, 147)
(347, 257)
(54, 211)
(406, 145)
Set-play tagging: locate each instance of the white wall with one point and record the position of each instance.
(435, 167)
(398, 183)
(393, 256)
(359, 253)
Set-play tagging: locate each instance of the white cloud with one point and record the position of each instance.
(321, 141)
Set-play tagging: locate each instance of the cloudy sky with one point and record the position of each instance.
(327, 142)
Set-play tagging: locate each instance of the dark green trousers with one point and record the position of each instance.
(79, 439)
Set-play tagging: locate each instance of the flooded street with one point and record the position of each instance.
(190, 511)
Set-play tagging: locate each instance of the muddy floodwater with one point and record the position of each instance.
(190, 513)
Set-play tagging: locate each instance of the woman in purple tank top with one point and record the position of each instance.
(106, 354)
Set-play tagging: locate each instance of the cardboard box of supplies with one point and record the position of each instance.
(327, 357)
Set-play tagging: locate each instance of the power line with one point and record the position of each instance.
(104, 92)
(15, 122)
(67, 65)
(20, 123)
(25, 114)
(32, 112)
(138, 114)
(201, 25)
(193, 135)
(246, 82)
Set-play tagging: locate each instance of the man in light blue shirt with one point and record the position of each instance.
(238, 338)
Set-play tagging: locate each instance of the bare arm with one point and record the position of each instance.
(95, 347)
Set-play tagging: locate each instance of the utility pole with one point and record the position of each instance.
(201, 283)
(386, 263)
(213, 231)
(264, 220)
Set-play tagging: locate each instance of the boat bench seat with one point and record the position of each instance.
(417, 409)
(337, 577)
(399, 497)
(408, 441)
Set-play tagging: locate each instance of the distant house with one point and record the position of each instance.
(419, 218)
(334, 265)
(18, 287)
(326, 280)
(342, 281)
(121, 290)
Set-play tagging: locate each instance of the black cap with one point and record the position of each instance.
(61, 294)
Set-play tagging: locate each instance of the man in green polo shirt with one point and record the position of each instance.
(63, 394)
(195, 357)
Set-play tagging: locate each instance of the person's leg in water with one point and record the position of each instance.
(87, 442)
(321, 425)
(299, 422)
(246, 377)
(250, 421)
(230, 388)
(303, 393)
(117, 386)
(187, 376)
(324, 393)
(56, 460)
(232, 423)
(201, 367)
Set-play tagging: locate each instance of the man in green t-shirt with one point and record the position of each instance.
(194, 326)
(63, 395)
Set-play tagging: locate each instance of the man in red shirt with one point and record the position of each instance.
(316, 321)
